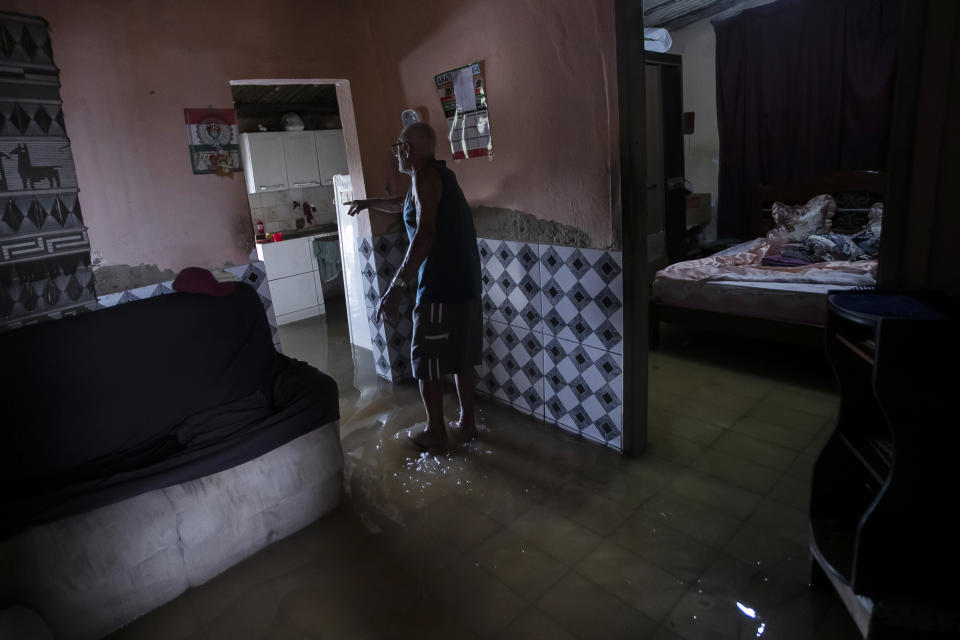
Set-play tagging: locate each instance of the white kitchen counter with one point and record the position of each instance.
(294, 279)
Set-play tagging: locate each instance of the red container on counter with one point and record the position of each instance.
(260, 227)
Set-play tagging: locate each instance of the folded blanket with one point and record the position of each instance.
(779, 260)
(832, 247)
(744, 263)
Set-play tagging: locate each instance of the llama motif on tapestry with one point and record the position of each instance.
(36, 165)
(30, 174)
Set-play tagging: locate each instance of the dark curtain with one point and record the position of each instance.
(804, 88)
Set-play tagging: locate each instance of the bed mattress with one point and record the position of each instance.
(735, 282)
(783, 301)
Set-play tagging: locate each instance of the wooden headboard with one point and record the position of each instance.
(854, 191)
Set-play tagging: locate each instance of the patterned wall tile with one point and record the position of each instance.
(255, 274)
(380, 258)
(480, 386)
(371, 287)
(584, 389)
(553, 330)
(580, 328)
(513, 366)
(583, 296)
(510, 278)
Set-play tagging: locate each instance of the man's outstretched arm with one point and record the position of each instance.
(393, 204)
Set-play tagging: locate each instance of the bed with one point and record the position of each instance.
(735, 292)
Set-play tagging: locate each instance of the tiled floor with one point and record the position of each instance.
(529, 533)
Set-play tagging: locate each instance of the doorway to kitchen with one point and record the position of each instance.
(300, 152)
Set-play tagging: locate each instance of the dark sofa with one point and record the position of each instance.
(121, 425)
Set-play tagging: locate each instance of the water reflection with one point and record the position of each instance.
(660, 532)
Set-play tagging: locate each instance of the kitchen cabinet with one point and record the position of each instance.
(263, 162)
(294, 280)
(287, 258)
(293, 294)
(300, 156)
(274, 161)
(331, 154)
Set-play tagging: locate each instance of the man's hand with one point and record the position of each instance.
(356, 206)
(387, 309)
(382, 205)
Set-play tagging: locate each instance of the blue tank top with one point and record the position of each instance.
(451, 272)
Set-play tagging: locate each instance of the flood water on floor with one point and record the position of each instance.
(530, 533)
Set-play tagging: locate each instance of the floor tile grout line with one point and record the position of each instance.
(706, 504)
(779, 475)
(622, 600)
(632, 510)
(715, 550)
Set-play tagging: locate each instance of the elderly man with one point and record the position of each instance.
(443, 251)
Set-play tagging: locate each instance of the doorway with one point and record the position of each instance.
(299, 147)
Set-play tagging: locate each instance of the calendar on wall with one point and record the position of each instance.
(463, 97)
(214, 141)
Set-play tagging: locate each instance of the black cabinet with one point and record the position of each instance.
(666, 195)
(885, 486)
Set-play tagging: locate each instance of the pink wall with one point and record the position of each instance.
(129, 67)
(551, 87)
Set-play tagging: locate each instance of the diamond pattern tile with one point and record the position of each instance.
(553, 330)
(513, 366)
(571, 302)
(584, 388)
(380, 257)
(582, 296)
(510, 277)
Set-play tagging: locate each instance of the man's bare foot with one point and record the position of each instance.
(426, 439)
(465, 430)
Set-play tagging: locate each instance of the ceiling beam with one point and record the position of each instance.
(680, 21)
(261, 110)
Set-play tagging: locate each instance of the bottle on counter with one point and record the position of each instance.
(260, 227)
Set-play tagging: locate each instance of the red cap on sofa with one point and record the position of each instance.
(200, 280)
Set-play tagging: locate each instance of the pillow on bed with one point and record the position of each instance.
(797, 223)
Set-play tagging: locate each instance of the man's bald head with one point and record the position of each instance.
(421, 138)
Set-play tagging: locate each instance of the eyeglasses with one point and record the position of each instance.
(395, 147)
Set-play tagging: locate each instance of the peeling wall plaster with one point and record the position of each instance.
(506, 224)
(120, 277)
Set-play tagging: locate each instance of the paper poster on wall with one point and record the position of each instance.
(464, 101)
(214, 141)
